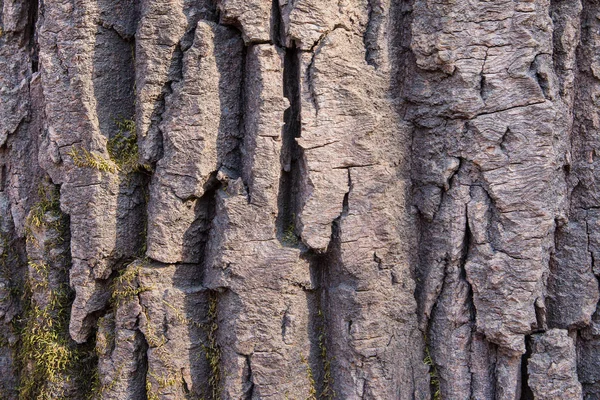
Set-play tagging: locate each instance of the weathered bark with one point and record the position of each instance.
(248, 199)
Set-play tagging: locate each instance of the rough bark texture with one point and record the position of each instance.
(299, 199)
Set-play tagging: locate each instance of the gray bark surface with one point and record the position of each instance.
(299, 199)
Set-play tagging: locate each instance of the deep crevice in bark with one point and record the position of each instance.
(322, 330)
(249, 382)
(463, 261)
(315, 297)
(31, 34)
(142, 373)
(372, 30)
(526, 393)
(290, 151)
(483, 93)
(2, 177)
(236, 166)
(277, 34)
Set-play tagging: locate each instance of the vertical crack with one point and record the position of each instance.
(463, 261)
(370, 36)
(483, 89)
(345, 206)
(2, 177)
(31, 34)
(483, 93)
(285, 324)
(144, 367)
(277, 34)
(212, 348)
(310, 77)
(319, 362)
(526, 393)
(249, 382)
(290, 151)
(236, 157)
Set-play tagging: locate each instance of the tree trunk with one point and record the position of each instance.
(309, 199)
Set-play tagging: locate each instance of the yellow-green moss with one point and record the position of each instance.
(126, 286)
(212, 351)
(51, 364)
(326, 382)
(46, 214)
(150, 394)
(123, 148)
(122, 151)
(105, 341)
(97, 389)
(434, 381)
(151, 337)
(163, 382)
(180, 317)
(84, 158)
(47, 356)
(106, 335)
(327, 387)
(312, 391)
(49, 202)
(289, 236)
(40, 280)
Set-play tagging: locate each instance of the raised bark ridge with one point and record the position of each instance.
(361, 199)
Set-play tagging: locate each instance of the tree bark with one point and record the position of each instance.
(252, 199)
